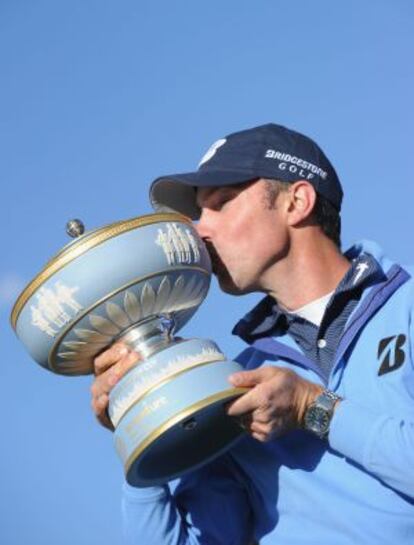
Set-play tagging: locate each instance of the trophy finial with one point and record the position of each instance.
(75, 228)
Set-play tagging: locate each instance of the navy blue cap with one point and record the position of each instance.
(267, 151)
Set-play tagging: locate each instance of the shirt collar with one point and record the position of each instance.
(268, 316)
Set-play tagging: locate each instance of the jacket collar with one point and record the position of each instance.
(367, 269)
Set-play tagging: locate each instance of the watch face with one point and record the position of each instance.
(317, 420)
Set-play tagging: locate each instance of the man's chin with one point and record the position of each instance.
(228, 286)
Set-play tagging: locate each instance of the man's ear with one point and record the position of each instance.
(302, 199)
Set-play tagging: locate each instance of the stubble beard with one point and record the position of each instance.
(225, 279)
(221, 272)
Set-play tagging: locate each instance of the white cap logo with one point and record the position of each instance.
(211, 151)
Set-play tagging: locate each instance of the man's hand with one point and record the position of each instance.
(276, 403)
(110, 366)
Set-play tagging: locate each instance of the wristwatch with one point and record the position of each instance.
(319, 414)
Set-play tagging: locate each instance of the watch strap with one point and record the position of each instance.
(327, 400)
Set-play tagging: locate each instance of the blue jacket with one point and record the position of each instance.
(355, 488)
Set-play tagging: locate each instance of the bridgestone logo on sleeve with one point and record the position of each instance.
(295, 163)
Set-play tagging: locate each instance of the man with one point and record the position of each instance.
(330, 453)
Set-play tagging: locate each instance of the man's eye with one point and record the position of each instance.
(223, 200)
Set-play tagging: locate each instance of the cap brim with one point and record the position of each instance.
(177, 192)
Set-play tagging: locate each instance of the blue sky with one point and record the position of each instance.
(97, 98)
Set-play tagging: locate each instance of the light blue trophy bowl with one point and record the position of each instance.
(138, 281)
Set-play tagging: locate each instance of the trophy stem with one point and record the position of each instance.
(149, 336)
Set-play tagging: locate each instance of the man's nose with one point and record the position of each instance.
(202, 226)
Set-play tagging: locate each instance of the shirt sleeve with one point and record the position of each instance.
(208, 506)
(381, 443)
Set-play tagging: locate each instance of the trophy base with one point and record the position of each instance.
(178, 424)
(189, 443)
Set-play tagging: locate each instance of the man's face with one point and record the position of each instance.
(244, 234)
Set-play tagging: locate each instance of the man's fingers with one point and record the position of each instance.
(259, 398)
(244, 404)
(260, 437)
(100, 403)
(110, 357)
(127, 363)
(263, 416)
(104, 383)
(99, 406)
(259, 427)
(253, 377)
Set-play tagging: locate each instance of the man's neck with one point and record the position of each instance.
(311, 270)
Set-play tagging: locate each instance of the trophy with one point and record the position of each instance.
(137, 281)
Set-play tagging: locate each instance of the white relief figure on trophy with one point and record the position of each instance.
(39, 321)
(51, 307)
(51, 311)
(194, 246)
(163, 241)
(179, 245)
(176, 242)
(185, 244)
(65, 295)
